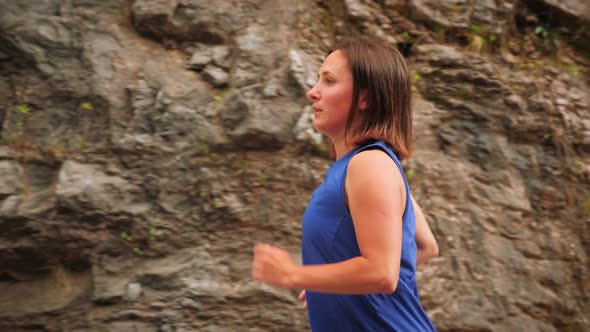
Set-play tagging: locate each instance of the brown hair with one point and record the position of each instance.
(379, 70)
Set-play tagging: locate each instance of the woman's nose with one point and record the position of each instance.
(313, 94)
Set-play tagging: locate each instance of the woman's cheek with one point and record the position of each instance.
(344, 102)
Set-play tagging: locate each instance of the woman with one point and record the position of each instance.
(363, 234)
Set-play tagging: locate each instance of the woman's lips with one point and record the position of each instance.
(315, 109)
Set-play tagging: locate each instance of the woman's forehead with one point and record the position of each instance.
(336, 62)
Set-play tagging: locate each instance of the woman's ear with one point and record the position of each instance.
(363, 103)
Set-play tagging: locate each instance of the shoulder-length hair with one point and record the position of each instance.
(381, 76)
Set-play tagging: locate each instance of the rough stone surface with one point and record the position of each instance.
(147, 145)
(462, 14)
(215, 76)
(84, 188)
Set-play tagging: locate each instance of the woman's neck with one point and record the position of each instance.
(341, 147)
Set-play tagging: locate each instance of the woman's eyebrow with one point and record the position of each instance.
(325, 72)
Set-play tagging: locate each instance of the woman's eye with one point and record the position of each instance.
(330, 81)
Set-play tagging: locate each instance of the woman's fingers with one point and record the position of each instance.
(260, 248)
(272, 265)
(260, 257)
(301, 296)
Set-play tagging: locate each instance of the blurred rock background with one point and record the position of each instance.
(146, 145)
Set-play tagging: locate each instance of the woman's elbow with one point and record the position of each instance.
(429, 248)
(433, 249)
(388, 284)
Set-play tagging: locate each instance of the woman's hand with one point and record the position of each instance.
(425, 241)
(273, 266)
(301, 298)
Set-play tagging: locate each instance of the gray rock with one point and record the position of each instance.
(199, 60)
(357, 10)
(265, 126)
(11, 174)
(177, 20)
(85, 189)
(6, 153)
(235, 112)
(52, 32)
(221, 56)
(9, 206)
(516, 102)
(50, 292)
(441, 54)
(577, 8)
(271, 90)
(215, 76)
(154, 17)
(132, 326)
(304, 130)
(155, 8)
(299, 70)
(461, 15)
(166, 328)
(133, 291)
(171, 112)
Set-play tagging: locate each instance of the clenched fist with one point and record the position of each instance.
(273, 266)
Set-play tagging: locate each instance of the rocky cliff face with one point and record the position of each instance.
(146, 145)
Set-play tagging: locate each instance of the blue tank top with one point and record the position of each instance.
(329, 237)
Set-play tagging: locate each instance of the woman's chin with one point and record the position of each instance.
(317, 125)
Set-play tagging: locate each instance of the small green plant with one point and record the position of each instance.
(153, 233)
(87, 106)
(573, 69)
(478, 38)
(202, 146)
(216, 202)
(477, 43)
(125, 236)
(220, 93)
(209, 200)
(417, 78)
(577, 168)
(542, 31)
(23, 108)
(410, 174)
(263, 179)
(22, 111)
(83, 144)
(550, 37)
(204, 149)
